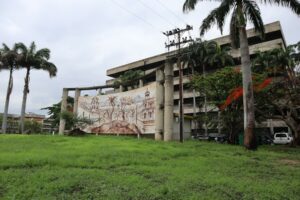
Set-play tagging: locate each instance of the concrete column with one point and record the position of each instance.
(121, 89)
(62, 122)
(271, 126)
(99, 92)
(169, 102)
(77, 95)
(141, 83)
(159, 105)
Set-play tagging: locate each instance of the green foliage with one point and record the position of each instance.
(129, 78)
(242, 12)
(54, 111)
(281, 99)
(32, 126)
(73, 121)
(206, 54)
(277, 61)
(218, 86)
(56, 167)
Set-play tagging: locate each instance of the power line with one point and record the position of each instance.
(132, 13)
(155, 12)
(172, 12)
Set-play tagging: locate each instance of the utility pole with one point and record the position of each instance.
(177, 42)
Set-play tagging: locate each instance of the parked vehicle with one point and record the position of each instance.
(221, 138)
(282, 138)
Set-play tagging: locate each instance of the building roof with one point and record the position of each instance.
(148, 63)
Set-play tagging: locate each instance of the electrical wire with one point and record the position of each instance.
(172, 12)
(132, 13)
(155, 12)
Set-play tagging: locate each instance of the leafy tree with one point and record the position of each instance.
(282, 98)
(206, 54)
(129, 78)
(32, 126)
(9, 60)
(54, 111)
(218, 86)
(243, 11)
(33, 59)
(74, 122)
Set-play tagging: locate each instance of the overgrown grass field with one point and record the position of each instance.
(103, 167)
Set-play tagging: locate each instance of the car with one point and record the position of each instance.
(282, 138)
(221, 138)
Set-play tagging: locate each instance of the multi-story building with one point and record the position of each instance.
(274, 38)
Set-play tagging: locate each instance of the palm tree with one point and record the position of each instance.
(263, 61)
(220, 57)
(202, 54)
(129, 78)
(243, 11)
(37, 60)
(9, 61)
(197, 56)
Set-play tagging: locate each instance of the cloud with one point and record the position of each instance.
(87, 37)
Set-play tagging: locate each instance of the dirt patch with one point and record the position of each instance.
(290, 162)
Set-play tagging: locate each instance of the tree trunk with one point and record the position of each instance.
(9, 90)
(25, 92)
(295, 126)
(205, 103)
(248, 98)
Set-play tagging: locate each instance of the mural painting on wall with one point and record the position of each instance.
(131, 112)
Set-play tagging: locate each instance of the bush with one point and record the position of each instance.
(33, 127)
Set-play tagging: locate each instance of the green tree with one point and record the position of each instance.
(243, 11)
(9, 60)
(33, 59)
(54, 112)
(201, 55)
(129, 78)
(281, 100)
(218, 86)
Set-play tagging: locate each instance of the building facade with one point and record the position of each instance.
(274, 38)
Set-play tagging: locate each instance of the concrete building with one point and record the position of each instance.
(274, 38)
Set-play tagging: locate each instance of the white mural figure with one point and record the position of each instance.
(130, 112)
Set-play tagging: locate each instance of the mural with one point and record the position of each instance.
(131, 112)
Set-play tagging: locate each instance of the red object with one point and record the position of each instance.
(263, 85)
(234, 95)
(238, 92)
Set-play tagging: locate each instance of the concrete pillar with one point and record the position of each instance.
(121, 88)
(62, 122)
(77, 95)
(141, 83)
(271, 126)
(159, 105)
(169, 102)
(99, 92)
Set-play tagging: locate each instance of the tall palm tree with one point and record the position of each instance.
(33, 59)
(202, 54)
(9, 59)
(243, 11)
(197, 57)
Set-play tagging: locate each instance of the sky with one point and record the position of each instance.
(87, 37)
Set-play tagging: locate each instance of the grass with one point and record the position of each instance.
(57, 167)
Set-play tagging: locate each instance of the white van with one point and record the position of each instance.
(282, 138)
